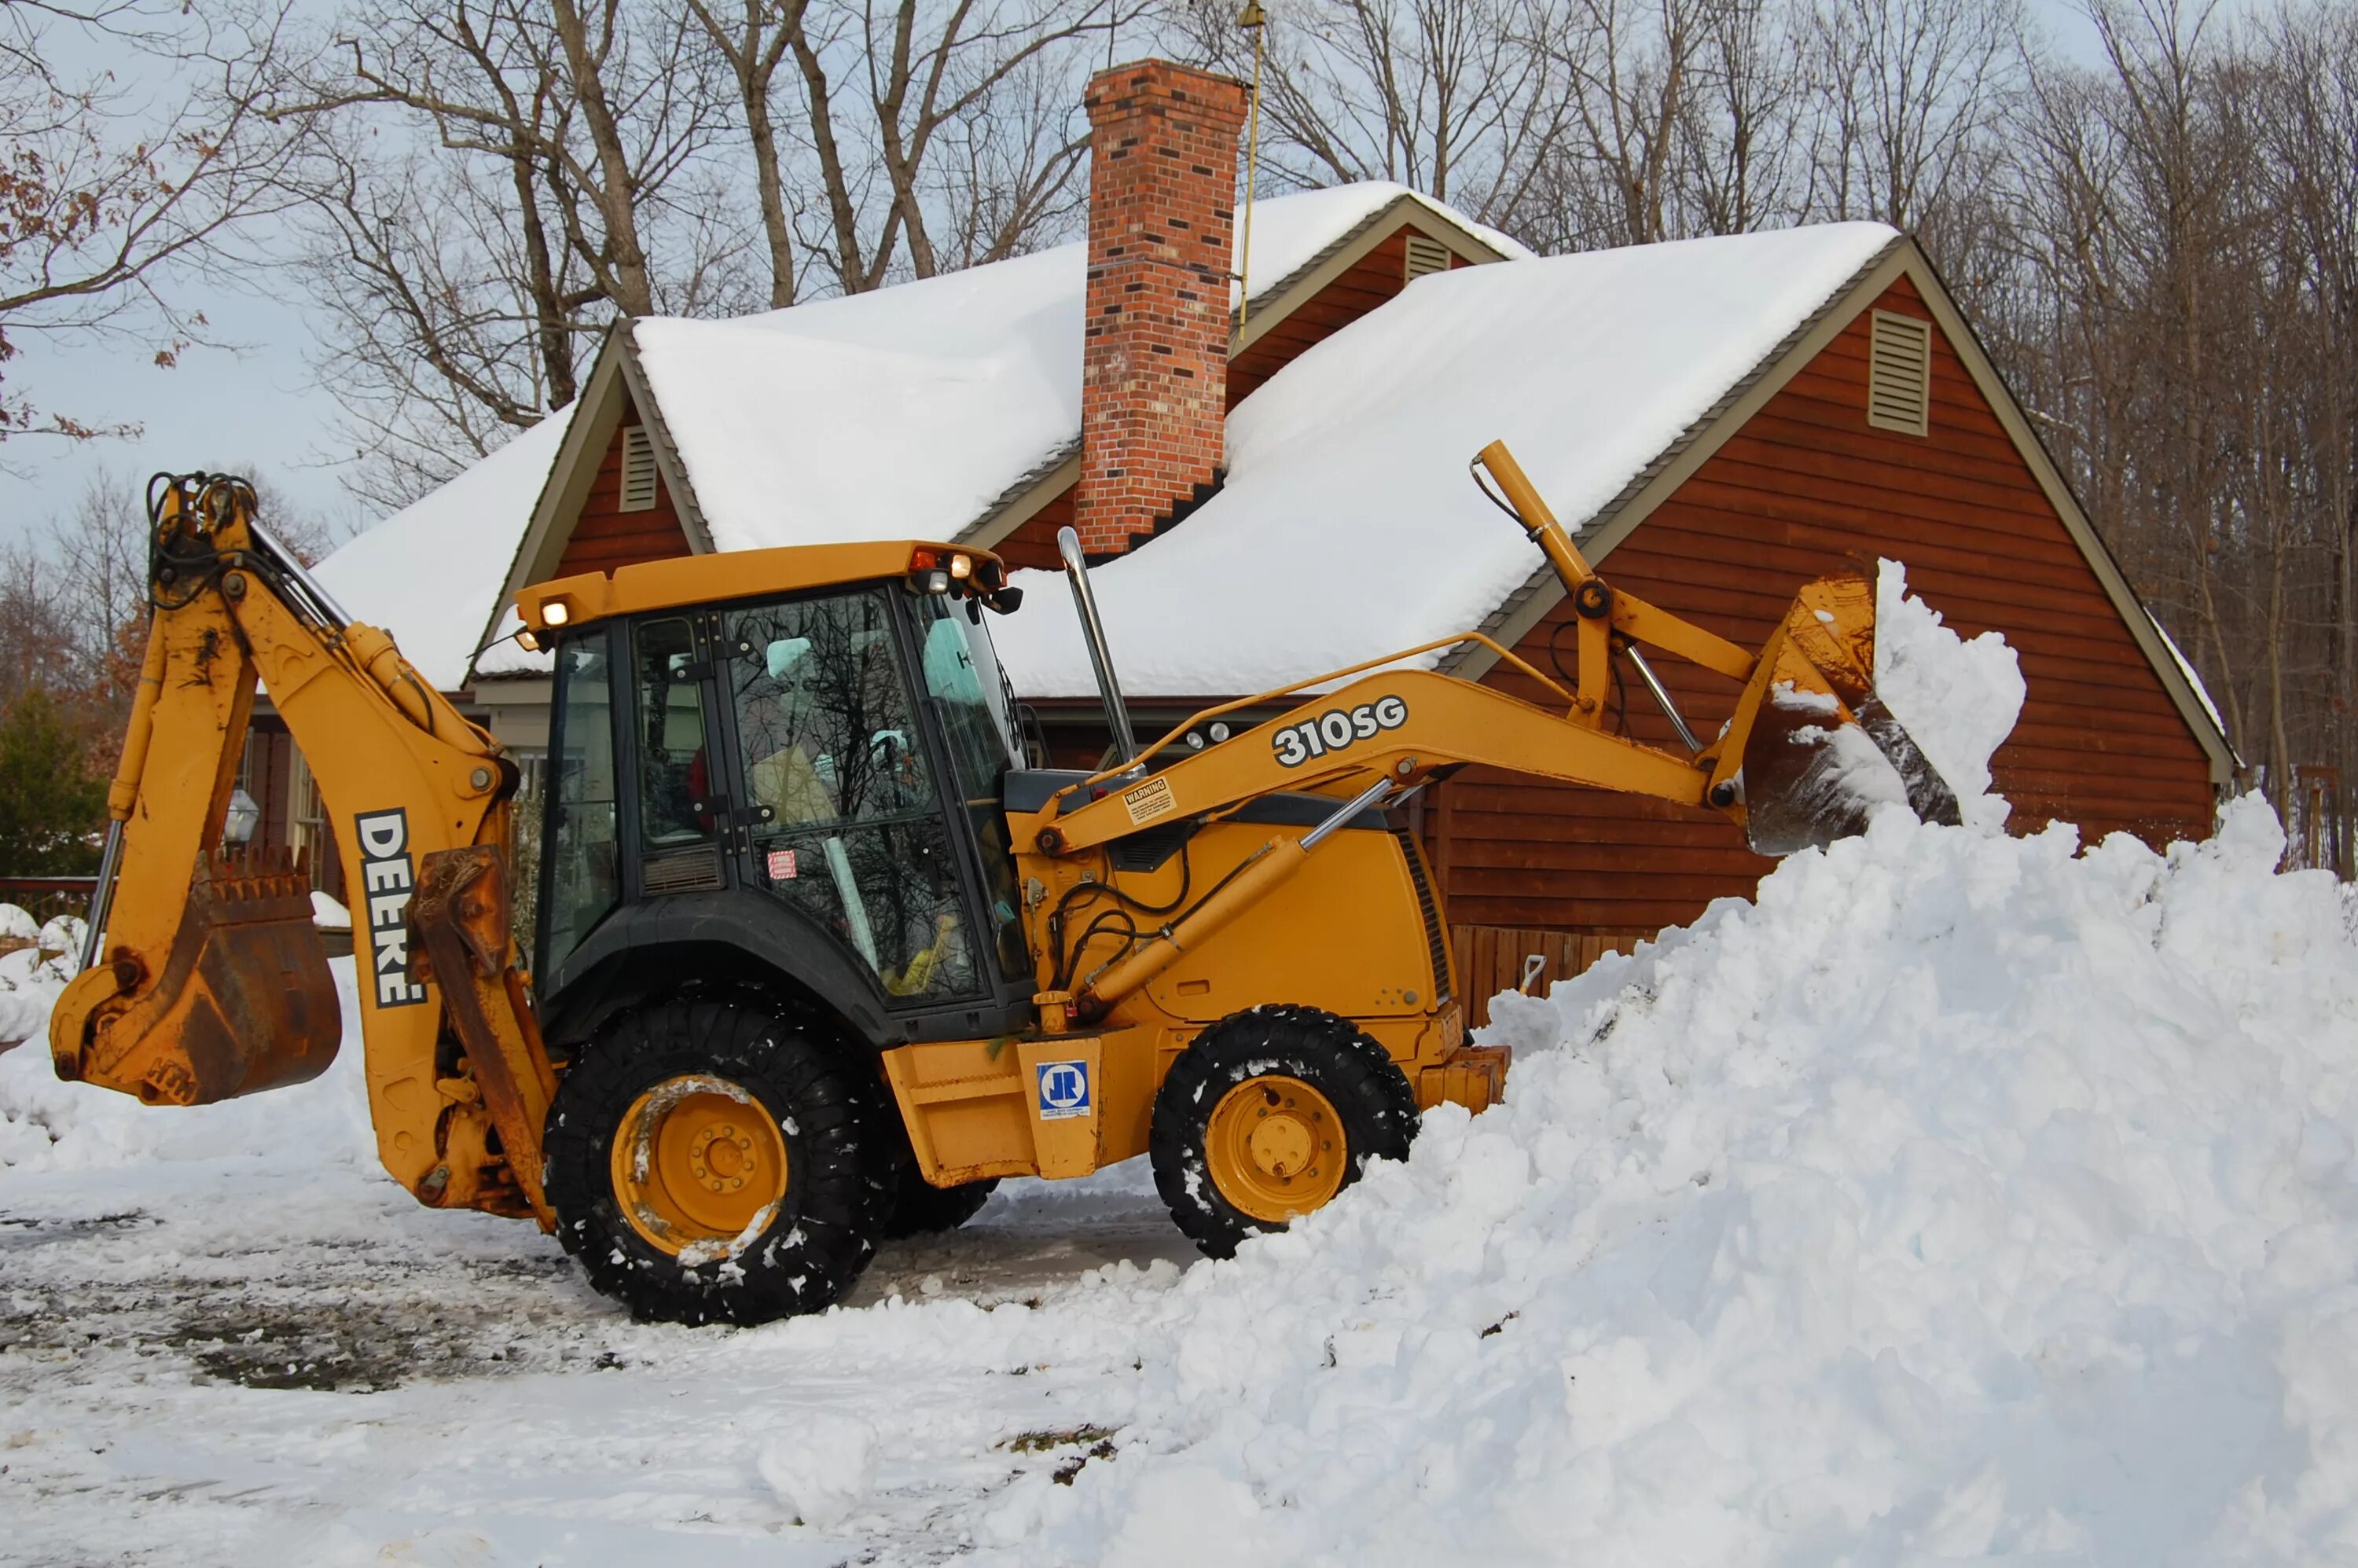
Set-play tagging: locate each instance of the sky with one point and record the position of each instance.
(251, 402)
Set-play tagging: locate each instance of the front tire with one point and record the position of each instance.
(1270, 1114)
(711, 1163)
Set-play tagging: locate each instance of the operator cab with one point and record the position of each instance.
(812, 774)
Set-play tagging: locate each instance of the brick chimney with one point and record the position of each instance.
(1154, 357)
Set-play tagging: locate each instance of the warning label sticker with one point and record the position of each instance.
(1149, 801)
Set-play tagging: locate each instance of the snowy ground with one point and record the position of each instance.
(1959, 1198)
(213, 1354)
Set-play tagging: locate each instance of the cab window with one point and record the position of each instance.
(962, 678)
(846, 816)
(580, 878)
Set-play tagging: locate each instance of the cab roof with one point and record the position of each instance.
(687, 580)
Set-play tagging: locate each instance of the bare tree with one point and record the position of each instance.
(1912, 91)
(753, 37)
(1462, 99)
(496, 178)
(108, 201)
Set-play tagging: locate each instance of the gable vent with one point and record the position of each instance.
(638, 469)
(1426, 256)
(1899, 374)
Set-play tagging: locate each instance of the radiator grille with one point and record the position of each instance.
(681, 870)
(1436, 939)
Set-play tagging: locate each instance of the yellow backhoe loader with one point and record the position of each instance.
(818, 958)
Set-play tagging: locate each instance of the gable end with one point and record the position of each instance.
(1904, 266)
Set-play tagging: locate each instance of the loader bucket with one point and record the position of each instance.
(245, 1003)
(1823, 751)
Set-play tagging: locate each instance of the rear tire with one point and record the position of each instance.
(1271, 1112)
(667, 1228)
(923, 1209)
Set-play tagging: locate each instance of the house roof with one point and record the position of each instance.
(1349, 527)
(430, 574)
(927, 408)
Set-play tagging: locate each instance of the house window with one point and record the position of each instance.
(1899, 374)
(307, 818)
(638, 469)
(1424, 256)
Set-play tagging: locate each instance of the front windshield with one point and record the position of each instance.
(961, 674)
(962, 670)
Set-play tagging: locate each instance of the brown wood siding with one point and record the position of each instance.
(1379, 276)
(1033, 543)
(604, 536)
(1804, 487)
(1491, 958)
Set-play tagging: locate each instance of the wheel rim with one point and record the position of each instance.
(696, 1163)
(1275, 1147)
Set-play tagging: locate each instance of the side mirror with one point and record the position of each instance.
(1007, 600)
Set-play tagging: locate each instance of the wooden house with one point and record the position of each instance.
(1277, 489)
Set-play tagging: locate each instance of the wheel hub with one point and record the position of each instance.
(1282, 1145)
(1274, 1148)
(696, 1161)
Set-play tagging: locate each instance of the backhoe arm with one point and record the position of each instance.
(1788, 767)
(210, 980)
(1399, 724)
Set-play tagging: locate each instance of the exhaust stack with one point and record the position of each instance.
(1085, 603)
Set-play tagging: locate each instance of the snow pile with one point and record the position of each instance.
(1965, 1197)
(1957, 699)
(46, 1125)
(822, 1467)
(32, 975)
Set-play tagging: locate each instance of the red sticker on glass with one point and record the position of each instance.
(782, 866)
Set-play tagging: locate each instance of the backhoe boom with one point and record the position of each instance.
(211, 981)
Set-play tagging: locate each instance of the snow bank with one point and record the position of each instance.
(46, 1125)
(1963, 1196)
(30, 976)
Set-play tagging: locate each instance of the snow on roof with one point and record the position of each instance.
(907, 412)
(431, 572)
(2193, 679)
(893, 414)
(901, 413)
(1287, 232)
(1349, 527)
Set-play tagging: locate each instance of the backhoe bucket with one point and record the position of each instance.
(1823, 751)
(245, 1001)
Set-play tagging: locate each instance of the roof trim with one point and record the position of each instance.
(1525, 608)
(675, 472)
(2126, 600)
(1021, 501)
(1287, 294)
(595, 412)
(614, 375)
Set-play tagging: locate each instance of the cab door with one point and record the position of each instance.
(841, 811)
(682, 795)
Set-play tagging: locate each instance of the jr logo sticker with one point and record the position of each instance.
(1063, 1090)
(385, 882)
(1335, 728)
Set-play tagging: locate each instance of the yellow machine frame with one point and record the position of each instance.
(210, 983)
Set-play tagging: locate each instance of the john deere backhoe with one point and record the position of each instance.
(818, 956)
